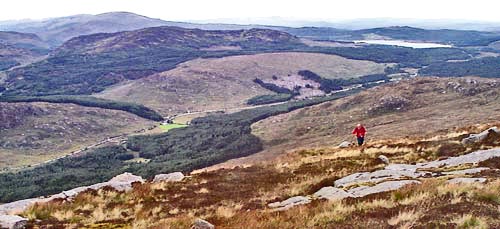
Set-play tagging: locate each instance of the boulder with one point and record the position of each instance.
(202, 224)
(382, 187)
(12, 222)
(463, 180)
(476, 138)
(344, 144)
(290, 202)
(171, 177)
(126, 178)
(331, 193)
(384, 159)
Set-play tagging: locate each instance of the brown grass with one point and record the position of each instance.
(434, 110)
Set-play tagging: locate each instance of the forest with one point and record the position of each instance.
(89, 101)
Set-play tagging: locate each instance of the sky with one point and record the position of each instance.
(313, 10)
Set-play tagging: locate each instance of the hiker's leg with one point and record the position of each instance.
(360, 141)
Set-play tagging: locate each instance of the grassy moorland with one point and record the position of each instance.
(207, 141)
(35, 132)
(238, 197)
(395, 110)
(227, 82)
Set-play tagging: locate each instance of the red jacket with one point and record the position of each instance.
(359, 132)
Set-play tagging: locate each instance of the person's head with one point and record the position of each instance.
(359, 125)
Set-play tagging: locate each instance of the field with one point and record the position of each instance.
(223, 83)
(167, 127)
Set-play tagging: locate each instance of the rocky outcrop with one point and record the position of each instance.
(202, 224)
(377, 176)
(393, 177)
(477, 138)
(290, 202)
(171, 177)
(12, 222)
(122, 182)
(389, 103)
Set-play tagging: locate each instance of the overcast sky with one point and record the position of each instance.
(327, 10)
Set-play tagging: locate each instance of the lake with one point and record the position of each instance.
(417, 45)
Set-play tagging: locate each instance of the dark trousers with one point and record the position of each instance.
(361, 140)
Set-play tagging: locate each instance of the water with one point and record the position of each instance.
(417, 45)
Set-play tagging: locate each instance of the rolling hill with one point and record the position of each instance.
(58, 30)
(36, 132)
(417, 107)
(89, 64)
(461, 38)
(218, 83)
(20, 48)
(428, 175)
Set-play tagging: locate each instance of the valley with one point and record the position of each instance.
(259, 118)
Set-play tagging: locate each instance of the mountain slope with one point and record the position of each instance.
(36, 132)
(89, 64)
(58, 30)
(218, 83)
(20, 48)
(409, 108)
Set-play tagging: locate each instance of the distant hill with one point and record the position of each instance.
(89, 64)
(447, 36)
(58, 30)
(19, 48)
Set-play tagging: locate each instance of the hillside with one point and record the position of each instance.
(218, 83)
(416, 107)
(20, 48)
(89, 64)
(324, 188)
(460, 38)
(36, 132)
(58, 30)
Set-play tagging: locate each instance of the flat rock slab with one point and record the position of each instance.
(290, 202)
(12, 222)
(471, 158)
(382, 187)
(467, 171)
(377, 176)
(464, 180)
(331, 193)
(171, 177)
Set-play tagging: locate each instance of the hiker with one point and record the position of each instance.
(360, 133)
